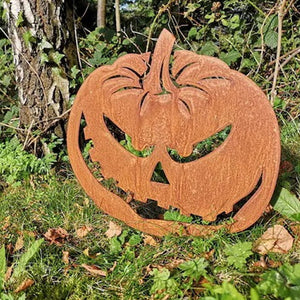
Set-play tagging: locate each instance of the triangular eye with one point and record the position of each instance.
(159, 174)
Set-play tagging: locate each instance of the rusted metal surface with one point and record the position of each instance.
(175, 106)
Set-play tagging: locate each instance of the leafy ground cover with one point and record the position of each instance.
(58, 245)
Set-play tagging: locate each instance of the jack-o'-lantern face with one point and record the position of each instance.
(162, 110)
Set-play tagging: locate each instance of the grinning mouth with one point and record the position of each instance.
(200, 149)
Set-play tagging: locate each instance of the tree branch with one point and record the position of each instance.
(276, 71)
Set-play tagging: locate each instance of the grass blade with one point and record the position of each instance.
(34, 248)
(2, 267)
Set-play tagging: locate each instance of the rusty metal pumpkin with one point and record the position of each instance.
(200, 97)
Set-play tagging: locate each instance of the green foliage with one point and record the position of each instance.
(287, 204)
(26, 257)
(28, 38)
(7, 80)
(17, 164)
(184, 267)
(2, 268)
(18, 271)
(194, 269)
(283, 283)
(164, 283)
(127, 144)
(226, 291)
(174, 215)
(238, 253)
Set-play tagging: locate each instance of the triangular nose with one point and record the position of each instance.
(159, 175)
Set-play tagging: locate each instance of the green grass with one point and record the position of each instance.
(36, 208)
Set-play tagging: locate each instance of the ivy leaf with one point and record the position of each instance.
(20, 19)
(56, 57)
(28, 38)
(230, 57)
(238, 253)
(45, 45)
(271, 38)
(287, 204)
(44, 58)
(195, 268)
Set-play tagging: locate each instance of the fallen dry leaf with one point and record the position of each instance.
(86, 202)
(149, 240)
(295, 227)
(208, 255)
(30, 233)
(174, 264)
(10, 248)
(19, 244)
(259, 266)
(113, 267)
(83, 231)
(8, 273)
(87, 253)
(24, 285)
(65, 257)
(113, 230)
(56, 236)
(94, 270)
(275, 239)
(6, 222)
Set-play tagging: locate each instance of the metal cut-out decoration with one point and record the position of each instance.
(168, 102)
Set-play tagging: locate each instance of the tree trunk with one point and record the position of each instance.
(42, 35)
(118, 18)
(101, 13)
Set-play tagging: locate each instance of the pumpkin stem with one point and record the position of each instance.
(158, 80)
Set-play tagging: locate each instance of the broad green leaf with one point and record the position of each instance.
(209, 48)
(56, 57)
(271, 23)
(230, 57)
(115, 246)
(2, 267)
(74, 71)
(44, 58)
(28, 38)
(134, 240)
(271, 38)
(45, 44)
(283, 283)
(287, 204)
(192, 33)
(20, 19)
(26, 257)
